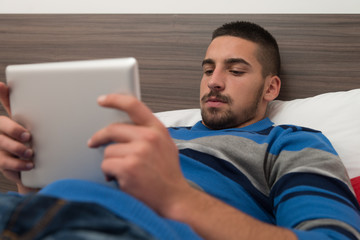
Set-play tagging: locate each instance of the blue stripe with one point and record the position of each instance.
(297, 128)
(309, 196)
(266, 131)
(304, 208)
(333, 185)
(223, 188)
(322, 234)
(340, 230)
(312, 193)
(231, 172)
(278, 137)
(291, 140)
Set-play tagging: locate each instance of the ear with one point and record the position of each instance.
(272, 88)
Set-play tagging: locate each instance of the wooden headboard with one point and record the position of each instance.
(320, 53)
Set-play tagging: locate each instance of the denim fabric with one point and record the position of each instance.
(121, 204)
(42, 217)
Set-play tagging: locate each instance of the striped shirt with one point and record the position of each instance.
(284, 175)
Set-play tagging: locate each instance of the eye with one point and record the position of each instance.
(208, 72)
(236, 72)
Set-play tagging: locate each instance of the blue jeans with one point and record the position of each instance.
(42, 217)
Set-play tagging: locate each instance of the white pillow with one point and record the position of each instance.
(336, 114)
(179, 118)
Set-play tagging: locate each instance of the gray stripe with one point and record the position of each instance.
(260, 167)
(195, 185)
(247, 156)
(326, 164)
(307, 225)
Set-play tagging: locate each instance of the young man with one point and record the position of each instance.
(237, 176)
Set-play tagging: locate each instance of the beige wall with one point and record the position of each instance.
(178, 6)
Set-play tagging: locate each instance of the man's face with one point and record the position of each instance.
(232, 84)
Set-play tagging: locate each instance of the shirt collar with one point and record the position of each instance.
(258, 126)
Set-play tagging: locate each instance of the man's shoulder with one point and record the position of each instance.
(296, 128)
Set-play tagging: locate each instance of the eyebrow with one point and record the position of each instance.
(237, 60)
(208, 61)
(227, 61)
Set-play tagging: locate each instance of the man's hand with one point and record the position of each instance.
(15, 156)
(144, 160)
(142, 157)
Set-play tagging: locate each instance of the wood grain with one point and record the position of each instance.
(320, 52)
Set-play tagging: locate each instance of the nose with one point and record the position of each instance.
(217, 81)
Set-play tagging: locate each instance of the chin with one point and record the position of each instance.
(217, 119)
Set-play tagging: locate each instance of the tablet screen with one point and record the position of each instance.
(57, 102)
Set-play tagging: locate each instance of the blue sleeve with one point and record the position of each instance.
(311, 193)
(317, 207)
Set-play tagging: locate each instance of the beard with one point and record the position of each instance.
(217, 119)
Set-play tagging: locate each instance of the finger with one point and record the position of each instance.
(118, 150)
(138, 112)
(118, 132)
(111, 172)
(137, 149)
(14, 130)
(10, 163)
(119, 168)
(4, 97)
(15, 148)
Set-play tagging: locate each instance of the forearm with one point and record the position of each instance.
(213, 219)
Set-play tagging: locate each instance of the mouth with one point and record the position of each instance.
(215, 101)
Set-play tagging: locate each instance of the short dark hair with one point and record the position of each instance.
(268, 55)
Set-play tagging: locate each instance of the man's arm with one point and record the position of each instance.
(213, 219)
(144, 160)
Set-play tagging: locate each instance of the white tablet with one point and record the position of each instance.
(57, 102)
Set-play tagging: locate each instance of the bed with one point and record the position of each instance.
(320, 55)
